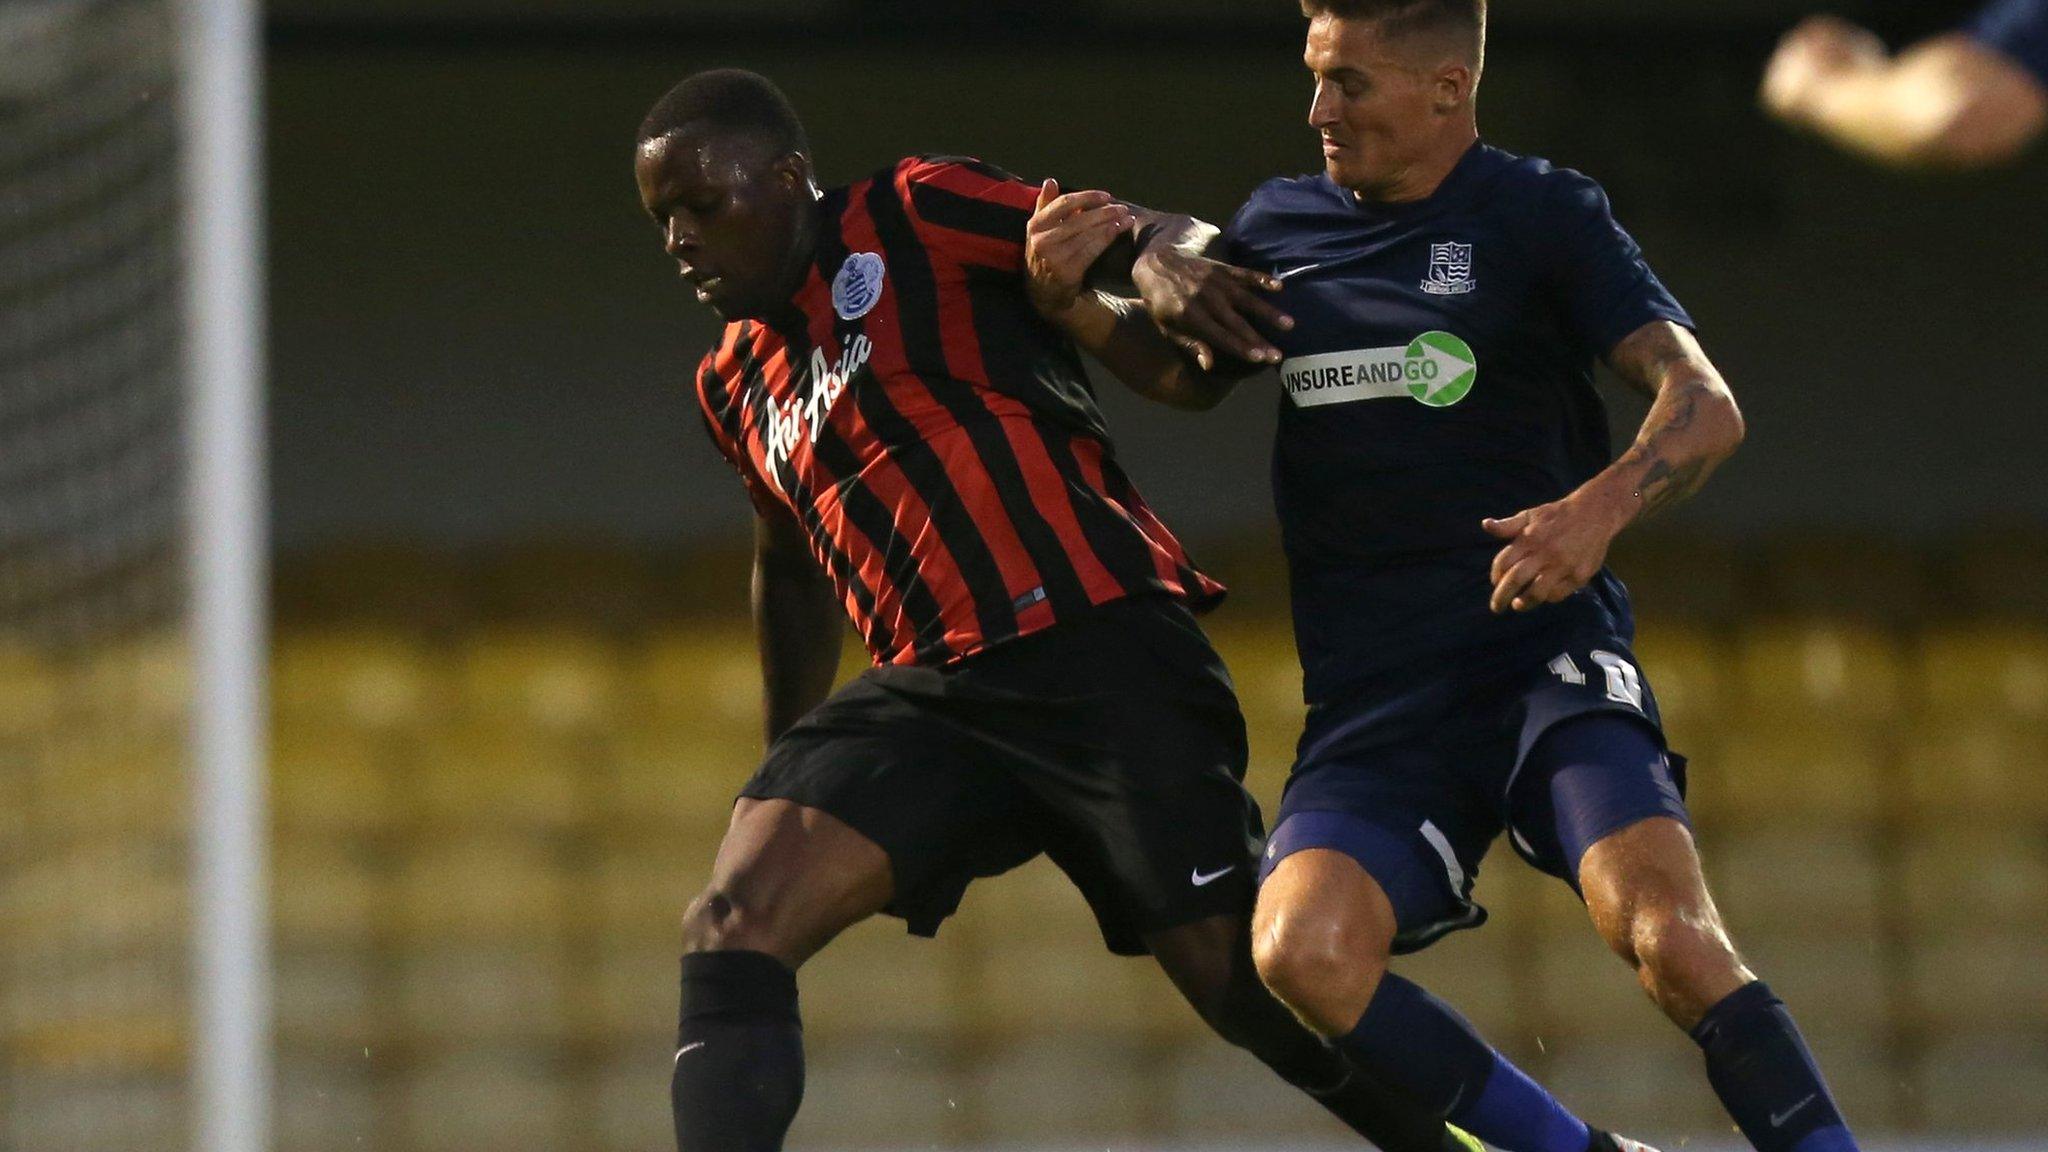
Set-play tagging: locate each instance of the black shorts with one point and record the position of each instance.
(1111, 743)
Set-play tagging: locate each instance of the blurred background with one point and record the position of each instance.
(513, 686)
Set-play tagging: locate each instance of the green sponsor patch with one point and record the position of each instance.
(1441, 369)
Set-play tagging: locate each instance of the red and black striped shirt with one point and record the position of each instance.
(938, 441)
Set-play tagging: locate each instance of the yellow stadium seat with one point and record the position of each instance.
(705, 675)
(1645, 1082)
(1688, 668)
(31, 690)
(676, 781)
(1584, 990)
(1066, 1089)
(1984, 672)
(883, 1094)
(328, 894)
(1838, 983)
(1038, 964)
(329, 999)
(141, 683)
(1980, 980)
(640, 885)
(877, 979)
(630, 996)
(632, 1095)
(98, 1109)
(329, 781)
(507, 1100)
(1818, 671)
(1260, 654)
(553, 679)
(1964, 877)
(452, 996)
(327, 1104)
(1982, 770)
(371, 679)
(498, 889)
(126, 785)
(1771, 877)
(491, 777)
(1784, 769)
(1988, 1086)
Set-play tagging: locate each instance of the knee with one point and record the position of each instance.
(723, 918)
(1325, 973)
(1683, 959)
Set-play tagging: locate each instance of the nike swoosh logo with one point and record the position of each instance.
(1298, 271)
(688, 1048)
(1779, 1118)
(1200, 880)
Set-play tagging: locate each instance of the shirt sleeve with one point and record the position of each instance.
(759, 492)
(2017, 29)
(1603, 283)
(972, 211)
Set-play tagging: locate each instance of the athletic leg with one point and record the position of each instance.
(1210, 962)
(788, 878)
(1639, 870)
(1322, 935)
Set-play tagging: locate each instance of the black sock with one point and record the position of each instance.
(1760, 1068)
(739, 1071)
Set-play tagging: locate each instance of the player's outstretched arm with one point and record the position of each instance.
(798, 623)
(1069, 241)
(1948, 102)
(1693, 424)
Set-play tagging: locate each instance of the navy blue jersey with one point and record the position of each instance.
(2017, 28)
(1440, 371)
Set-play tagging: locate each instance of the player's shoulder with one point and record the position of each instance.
(1532, 186)
(1284, 202)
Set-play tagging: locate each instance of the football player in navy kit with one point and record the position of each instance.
(1447, 495)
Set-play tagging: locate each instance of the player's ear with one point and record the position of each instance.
(1453, 88)
(793, 169)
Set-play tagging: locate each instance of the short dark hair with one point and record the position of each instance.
(1405, 17)
(731, 101)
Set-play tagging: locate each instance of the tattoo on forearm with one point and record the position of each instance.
(1665, 483)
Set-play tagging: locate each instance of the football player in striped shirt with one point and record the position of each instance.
(924, 456)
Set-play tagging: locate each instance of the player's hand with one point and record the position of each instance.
(1063, 238)
(1818, 50)
(1552, 550)
(1206, 306)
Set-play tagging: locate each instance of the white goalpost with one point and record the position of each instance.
(221, 100)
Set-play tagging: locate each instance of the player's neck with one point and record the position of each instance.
(1420, 180)
(803, 250)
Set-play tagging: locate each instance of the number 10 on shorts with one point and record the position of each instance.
(1624, 683)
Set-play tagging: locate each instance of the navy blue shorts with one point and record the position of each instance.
(1414, 777)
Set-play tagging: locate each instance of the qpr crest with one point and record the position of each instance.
(858, 286)
(1450, 269)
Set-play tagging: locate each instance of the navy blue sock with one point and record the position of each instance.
(1760, 1068)
(1419, 1044)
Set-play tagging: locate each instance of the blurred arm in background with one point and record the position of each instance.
(798, 622)
(1968, 99)
(1211, 305)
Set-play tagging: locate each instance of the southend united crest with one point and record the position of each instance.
(1450, 269)
(858, 286)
